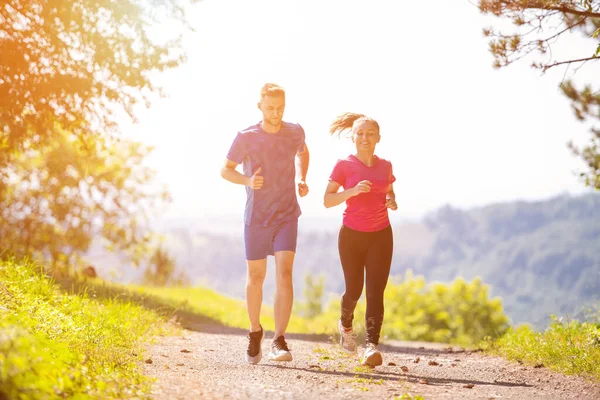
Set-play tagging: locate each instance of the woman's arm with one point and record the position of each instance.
(390, 198)
(333, 198)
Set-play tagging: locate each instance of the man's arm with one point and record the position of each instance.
(302, 160)
(230, 173)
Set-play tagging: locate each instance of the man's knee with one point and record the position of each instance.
(255, 279)
(284, 265)
(284, 276)
(256, 272)
(256, 276)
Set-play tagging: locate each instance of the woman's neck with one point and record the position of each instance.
(367, 158)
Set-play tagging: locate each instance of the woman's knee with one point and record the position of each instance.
(375, 296)
(353, 293)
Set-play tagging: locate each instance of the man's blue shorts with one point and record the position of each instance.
(263, 241)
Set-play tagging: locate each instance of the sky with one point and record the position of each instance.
(456, 130)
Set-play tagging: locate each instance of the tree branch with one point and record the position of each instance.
(537, 5)
(568, 62)
(565, 10)
(568, 28)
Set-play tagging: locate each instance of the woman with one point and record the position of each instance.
(365, 240)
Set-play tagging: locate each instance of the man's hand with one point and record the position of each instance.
(256, 181)
(302, 189)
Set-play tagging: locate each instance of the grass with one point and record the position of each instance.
(363, 369)
(232, 312)
(570, 347)
(361, 380)
(226, 310)
(59, 345)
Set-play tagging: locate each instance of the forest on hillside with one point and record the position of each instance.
(541, 258)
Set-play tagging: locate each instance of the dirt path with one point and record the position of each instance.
(208, 363)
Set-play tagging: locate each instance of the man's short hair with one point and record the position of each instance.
(271, 89)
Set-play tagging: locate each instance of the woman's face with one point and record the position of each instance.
(365, 135)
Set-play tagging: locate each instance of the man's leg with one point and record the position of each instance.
(257, 270)
(284, 295)
(284, 246)
(257, 248)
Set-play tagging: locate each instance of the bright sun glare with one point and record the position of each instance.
(453, 127)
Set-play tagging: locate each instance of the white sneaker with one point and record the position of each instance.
(279, 350)
(372, 357)
(347, 339)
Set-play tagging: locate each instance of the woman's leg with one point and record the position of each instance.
(352, 247)
(378, 262)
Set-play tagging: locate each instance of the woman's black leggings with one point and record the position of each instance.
(370, 251)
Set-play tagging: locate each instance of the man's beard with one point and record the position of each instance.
(273, 121)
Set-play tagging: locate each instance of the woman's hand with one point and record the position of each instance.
(362, 187)
(390, 203)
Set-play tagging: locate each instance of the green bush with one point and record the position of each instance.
(459, 313)
(571, 347)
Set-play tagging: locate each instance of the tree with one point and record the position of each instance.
(314, 289)
(66, 69)
(161, 271)
(538, 26)
(58, 197)
(75, 63)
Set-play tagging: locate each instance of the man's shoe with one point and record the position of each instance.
(254, 351)
(372, 357)
(347, 338)
(279, 350)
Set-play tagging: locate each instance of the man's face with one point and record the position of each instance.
(272, 108)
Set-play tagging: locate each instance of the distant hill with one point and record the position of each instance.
(541, 257)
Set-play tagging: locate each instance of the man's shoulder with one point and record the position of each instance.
(249, 130)
(292, 127)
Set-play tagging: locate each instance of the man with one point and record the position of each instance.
(268, 151)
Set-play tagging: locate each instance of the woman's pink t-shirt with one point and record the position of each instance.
(365, 212)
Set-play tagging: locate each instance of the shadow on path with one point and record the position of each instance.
(390, 376)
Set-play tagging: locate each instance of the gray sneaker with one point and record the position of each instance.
(254, 351)
(347, 339)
